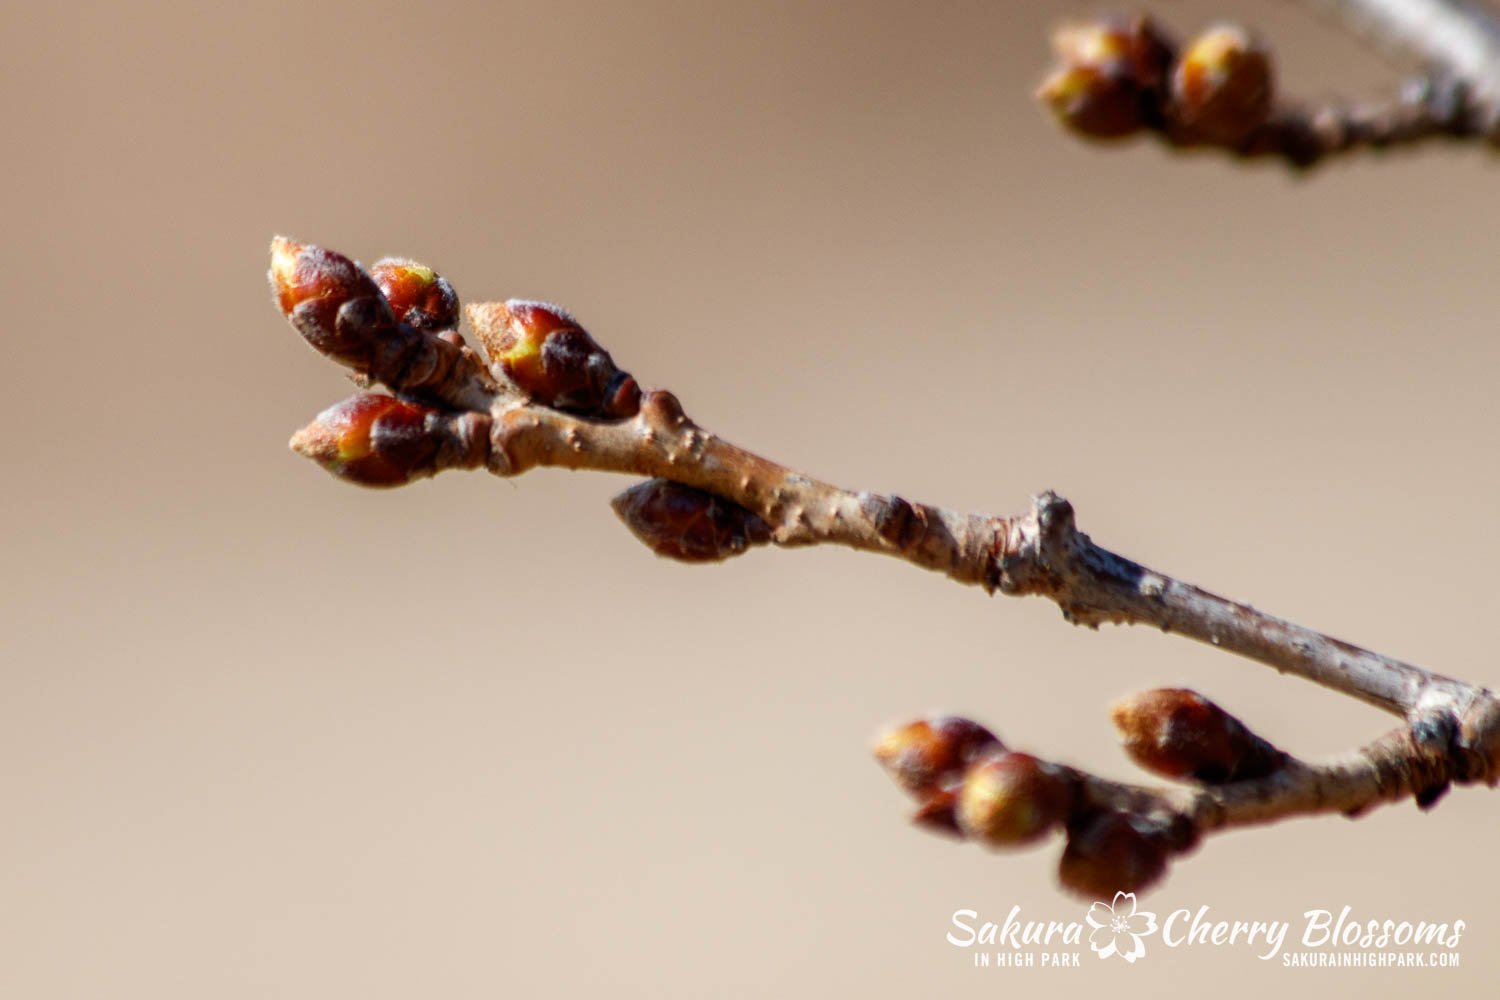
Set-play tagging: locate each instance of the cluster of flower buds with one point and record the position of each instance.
(1180, 734)
(1116, 78)
(394, 327)
(689, 525)
(378, 440)
(967, 782)
(544, 352)
(970, 784)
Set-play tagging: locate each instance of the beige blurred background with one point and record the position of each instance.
(266, 735)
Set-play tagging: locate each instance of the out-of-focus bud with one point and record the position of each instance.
(688, 525)
(418, 295)
(1181, 734)
(1110, 77)
(1013, 799)
(546, 354)
(1111, 852)
(334, 304)
(1136, 49)
(936, 813)
(1093, 101)
(924, 755)
(1222, 89)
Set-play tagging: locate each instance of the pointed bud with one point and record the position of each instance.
(922, 756)
(1111, 852)
(1222, 89)
(1096, 102)
(1013, 799)
(418, 295)
(546, 354)
(376, 440)
(688, 525)
(334, 304)
(1179, 733)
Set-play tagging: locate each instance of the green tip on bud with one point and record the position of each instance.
(373, 440)
(543, 351)
(418, 295)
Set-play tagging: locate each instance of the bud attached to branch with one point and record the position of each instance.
(930, 754)
(344, 315)
(679, 522)
(546, 354)
(1014, 799)
(329, 299)
(1222, 89)
(1179, 733)
(1109, 852)
(418, 295)
(1110, 77)
(377, 440)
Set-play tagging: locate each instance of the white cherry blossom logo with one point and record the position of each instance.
(1118, 927)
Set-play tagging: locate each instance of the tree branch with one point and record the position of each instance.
(551, 396)
(1118, 77)
(1457, 36)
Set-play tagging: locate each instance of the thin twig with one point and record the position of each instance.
(553, 397)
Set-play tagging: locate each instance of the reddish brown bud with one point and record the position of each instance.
(1111, 852)
(372, 440)
(924, 755)
(418, 295)
(1181, 734)
(1013, 799)
(689, 525)
(334, 304)
(1093, 101)
(546, 354)
(1222, 89)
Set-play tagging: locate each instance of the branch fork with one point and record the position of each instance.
(544, 393)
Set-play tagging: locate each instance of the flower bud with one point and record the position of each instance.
(335, 305)
(689, 525)
(1094, 101)
(1135, 49)
(924, 755)
(546, 354)
(1222, 88)
(1179, 733)
(372, 440)
(1111, 852)
(1013, 799)
(418, 295)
